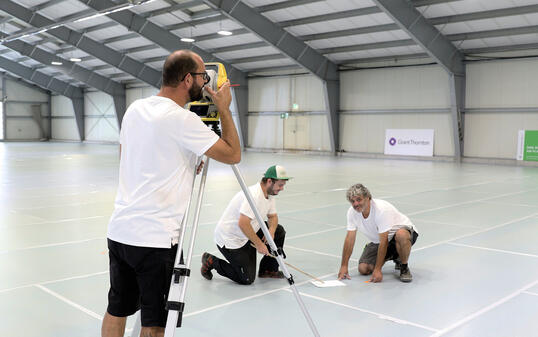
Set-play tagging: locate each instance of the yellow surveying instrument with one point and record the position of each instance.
(175, 304)
(205, 108)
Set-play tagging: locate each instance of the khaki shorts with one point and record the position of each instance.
(369, 254)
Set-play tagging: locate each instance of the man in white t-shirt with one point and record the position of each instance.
(160, 142)
(391, 233)
(238, 234)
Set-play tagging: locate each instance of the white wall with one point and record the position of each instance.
(100, 120)
(132, 94)
(26, 112)
(374, 100)
(302, 96)
(64, 125)
(501, 99)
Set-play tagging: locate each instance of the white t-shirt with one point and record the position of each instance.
(383, 217)
(160, 142)
(228, 233)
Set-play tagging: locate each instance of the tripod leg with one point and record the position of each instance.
(178, 284)
(177, 263)
(274, 248)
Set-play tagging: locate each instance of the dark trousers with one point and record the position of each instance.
(241, 264)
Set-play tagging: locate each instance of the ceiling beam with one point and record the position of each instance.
(133, 67)
(90, 78)
(411, 21)
(295, 49)
(50, 83)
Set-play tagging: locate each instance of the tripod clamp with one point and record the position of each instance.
(178, 272)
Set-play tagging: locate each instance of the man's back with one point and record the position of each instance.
(159, 145)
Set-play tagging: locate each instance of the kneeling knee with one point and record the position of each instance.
(246, 281)
(365, 269)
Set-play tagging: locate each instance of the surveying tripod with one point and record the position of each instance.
(180, 277)
(178, 285)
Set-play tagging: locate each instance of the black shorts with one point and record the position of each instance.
(369, 254)
(140, 279)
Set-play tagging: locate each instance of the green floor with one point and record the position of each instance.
(475, 264)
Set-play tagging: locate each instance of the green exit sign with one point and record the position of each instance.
(284, 115)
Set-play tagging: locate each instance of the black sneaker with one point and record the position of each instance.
(207, 265)
(271, 274)
(405, 275)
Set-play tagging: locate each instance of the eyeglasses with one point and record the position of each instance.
(204, 74)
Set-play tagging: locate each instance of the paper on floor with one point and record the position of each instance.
(330, 283)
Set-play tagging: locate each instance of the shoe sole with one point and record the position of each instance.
(207, 275)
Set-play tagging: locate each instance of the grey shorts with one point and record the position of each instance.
(369, 253)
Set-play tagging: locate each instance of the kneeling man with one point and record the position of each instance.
(392, 235)
(238, 231)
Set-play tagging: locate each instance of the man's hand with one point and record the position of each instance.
(221, 98)
(262, 248)
(343, 273)
(200, 167)
(377, 276)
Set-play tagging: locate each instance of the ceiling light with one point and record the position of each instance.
(224, 32)
(56, 63)
(187, 39)
(75, 59)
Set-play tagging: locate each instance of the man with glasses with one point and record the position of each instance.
(160, 142)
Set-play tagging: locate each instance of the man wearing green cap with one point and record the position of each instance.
(238, 234)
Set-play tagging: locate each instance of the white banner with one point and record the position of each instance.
(409, 142)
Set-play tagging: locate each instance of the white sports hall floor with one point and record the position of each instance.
(475, 264)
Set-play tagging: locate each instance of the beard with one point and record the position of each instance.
(270, 190)
(195, 93)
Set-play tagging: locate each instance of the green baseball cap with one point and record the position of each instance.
(276, 172)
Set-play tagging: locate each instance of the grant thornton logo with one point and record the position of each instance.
(392, 141)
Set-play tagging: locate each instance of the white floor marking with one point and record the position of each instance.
(484, 310)
(474, 233)
(466, 202)
(314, 233)
(491, 249)
(54, 244)
(447, 224)
(319, 253)
(378, 315)
(56, 221)
(250, 297)
(530, 293)
(71, 303)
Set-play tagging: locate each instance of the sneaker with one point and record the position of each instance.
(397, 264)
(271, 274)
(207, 265)
(405, 275)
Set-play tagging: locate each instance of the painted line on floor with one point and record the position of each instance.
(447, 224)
(306, 221)
(71, 303)
(484, 310)
(243, 299)
(60, 205)
(319, 253)
(54, 281)
(491, 249)
(467, 202)
(378, 315)
(314, 233)
(530, 293)
(56, 221)
(53, 245)
(475, 233)
(508, 204)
